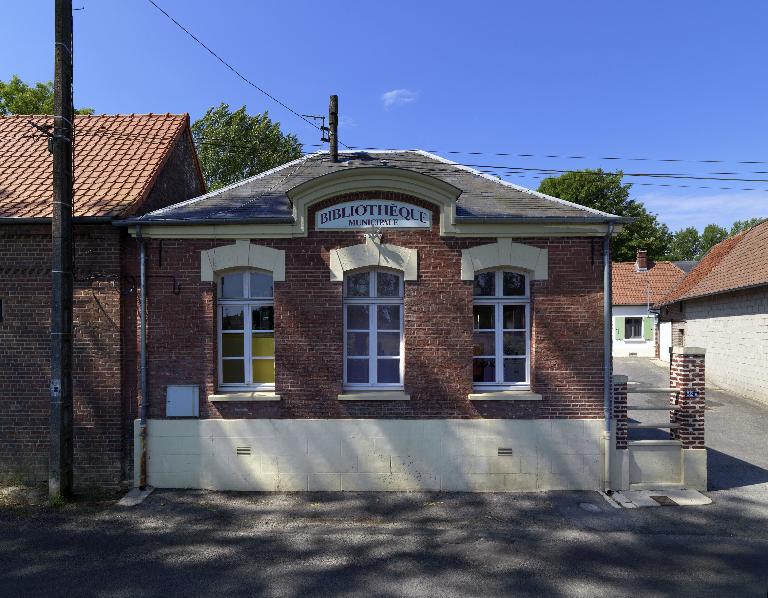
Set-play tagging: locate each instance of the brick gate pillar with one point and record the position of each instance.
(686, 373)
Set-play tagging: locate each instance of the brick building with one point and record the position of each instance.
(637, 286)
(722, 305)
(389, 321)
(124, 166)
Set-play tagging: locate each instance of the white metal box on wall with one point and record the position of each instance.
(182, 400)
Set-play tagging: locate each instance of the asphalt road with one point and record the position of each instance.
(544, 544)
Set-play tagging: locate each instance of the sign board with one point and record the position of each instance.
(367, 213)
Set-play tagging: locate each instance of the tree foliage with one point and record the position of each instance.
(688, 244)
(604, 191)
(685, 245)
(235, 145)
(16, 97)
(742, 225)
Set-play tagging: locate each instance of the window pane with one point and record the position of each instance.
(633, 328)
(232, 317)
(514, 343)
(357, 343)
(388, 371)
(513, 284)
(357, 371)
(485, 284)
(388, 317)
(388, 284)
(263, 371)
(232, 286)
(483, 370)
(358, 285)
(484, 316)
(388, 343)
(261, 285)
(233, 371)
(484, 343)
(514, 370)
(263, 345)
(232, 344)
(514, 316)
(357, 317)
(263, 318)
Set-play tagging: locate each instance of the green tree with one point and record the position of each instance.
(685, 245)
(604, 191)
(235, 145)
(711, 236)
(742, 225)
(16, 97)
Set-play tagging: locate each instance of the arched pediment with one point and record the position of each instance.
(241, 254)
(372, 254)
(505, 254)
(374, 178)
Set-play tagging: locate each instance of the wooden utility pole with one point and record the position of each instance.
(333, 125)
(60, 464)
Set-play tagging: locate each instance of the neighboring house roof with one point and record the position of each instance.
(117, 158)
(686, 266)
(265, 197)
(633, 287)
(736, 263)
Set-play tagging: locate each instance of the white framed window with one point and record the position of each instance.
(246, 330)
(373, 329)
(633, 329)
(502, 332)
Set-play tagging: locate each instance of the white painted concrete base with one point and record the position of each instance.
(663, 465)
(374, 454)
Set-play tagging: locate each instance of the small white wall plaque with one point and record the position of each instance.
(367, 213)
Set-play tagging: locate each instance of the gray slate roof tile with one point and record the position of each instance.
(265, 196)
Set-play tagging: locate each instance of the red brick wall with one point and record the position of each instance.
(566, 329)
(686, 373)
(25, 348)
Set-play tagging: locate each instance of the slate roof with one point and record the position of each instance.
(631, 287)
(117, 158)
(737, 263)
(264, 197)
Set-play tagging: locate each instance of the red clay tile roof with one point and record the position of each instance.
(117, 158)
(631, 287)
(738, 262)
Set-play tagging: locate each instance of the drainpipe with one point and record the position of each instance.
(607, 355)
(142, 360)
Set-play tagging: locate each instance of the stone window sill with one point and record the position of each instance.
(226, 397)
(505, 395)
(374, 395)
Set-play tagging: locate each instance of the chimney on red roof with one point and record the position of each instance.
(641, 264)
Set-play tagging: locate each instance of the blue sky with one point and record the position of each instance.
(651, 80)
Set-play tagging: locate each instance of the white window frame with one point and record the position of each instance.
(373, 301)
(498, 300)
(247, 303)
(641, 336)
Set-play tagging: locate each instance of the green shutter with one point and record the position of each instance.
(619, 323)
(648, 328)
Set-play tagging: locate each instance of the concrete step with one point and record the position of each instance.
(641, 425)
(645, 408)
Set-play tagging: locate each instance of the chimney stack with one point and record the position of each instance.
(641, 265)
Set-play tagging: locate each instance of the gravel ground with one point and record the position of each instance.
(236, 544)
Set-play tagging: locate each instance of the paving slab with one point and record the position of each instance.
(135, 496)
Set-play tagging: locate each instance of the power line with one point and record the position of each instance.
(489, 169)
(233, 69)
(563, 156)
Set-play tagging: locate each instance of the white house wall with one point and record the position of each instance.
(623, 348)
(733, 328)
(374, 454)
